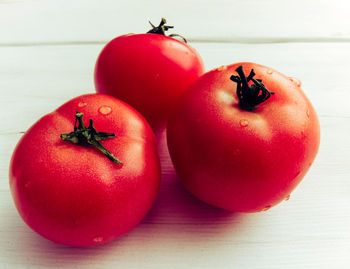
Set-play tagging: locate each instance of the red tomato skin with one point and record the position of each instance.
(74, 195)
(239, 160)
(147, 71)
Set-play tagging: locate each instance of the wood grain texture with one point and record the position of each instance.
(35, 80)
(47, 53)
(35, 22)
(311, 230)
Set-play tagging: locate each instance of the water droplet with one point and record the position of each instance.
(269, 71)
(287, 198)
(266, 208)
(308, 113)
(105, 110)
(27, 184)
(297, 174)
(156, 76)
(82, 104)
(243, 123)
(222, 68)
(296, 81)
(98, 239)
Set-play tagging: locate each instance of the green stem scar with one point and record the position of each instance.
(250, 96)
(162, 28)
(89, 136)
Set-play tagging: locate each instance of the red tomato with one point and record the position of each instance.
(74, 194)
(148, 71)
(235, 153)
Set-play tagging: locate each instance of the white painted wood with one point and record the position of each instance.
(39, 70)
(35, 80)
(311, 230)
(96, 21)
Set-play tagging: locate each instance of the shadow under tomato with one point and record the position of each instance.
(28, 249)
(176, 211)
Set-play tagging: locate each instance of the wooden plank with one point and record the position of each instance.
(81, 21)
(311, 229)
(36, 80)
(308, 231)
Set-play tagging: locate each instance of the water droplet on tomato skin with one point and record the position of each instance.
(98, 239)
(222, 68)
(266, 208)
(27, 184)
(297, 174)
(308, 113)
(269, 72)
(236, 152)
(287, 198)
(243, 123)
(296, 81)
(82, 104)
(105, 110)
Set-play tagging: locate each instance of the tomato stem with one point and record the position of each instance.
(89, 136)
(250, 96)
(162, 28)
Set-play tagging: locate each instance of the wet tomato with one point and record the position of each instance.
(243, 137)
(85, 178)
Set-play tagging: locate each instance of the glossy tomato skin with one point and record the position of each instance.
(75, 195)
(243, 161)
(147, 71)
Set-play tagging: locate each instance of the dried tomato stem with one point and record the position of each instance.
(250, 96)
(162, 28)
(89, 136)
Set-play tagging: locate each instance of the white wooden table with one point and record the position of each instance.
(47, 53)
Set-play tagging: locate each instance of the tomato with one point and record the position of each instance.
(148, 71)
(243, 144)
(83, 186)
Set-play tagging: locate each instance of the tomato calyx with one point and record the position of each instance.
(250, 96)
(89, 136)
(162, 28)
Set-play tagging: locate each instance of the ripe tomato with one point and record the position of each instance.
(236, 148)
(148, 71)
(93, 191)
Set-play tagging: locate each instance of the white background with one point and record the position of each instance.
(47, 54)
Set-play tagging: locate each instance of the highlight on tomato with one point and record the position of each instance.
(243, 137)
(86, 173)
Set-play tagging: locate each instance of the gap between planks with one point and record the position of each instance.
(243, 40)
